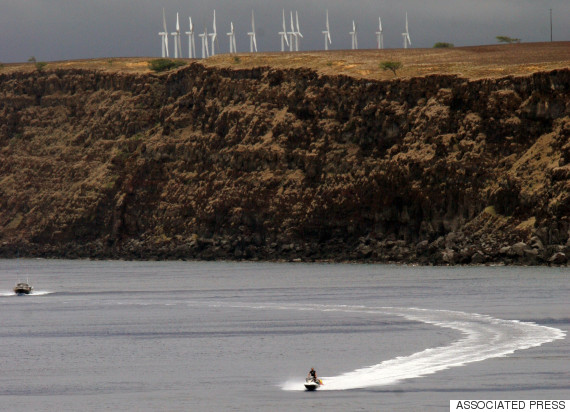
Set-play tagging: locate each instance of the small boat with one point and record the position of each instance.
(23, 288)
(312, 384)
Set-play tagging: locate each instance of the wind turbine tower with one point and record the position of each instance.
(251, 34)
(298, 33)
(214, 36)
(354, 35)
(292, 35)
(379, 35)
(232, 36)
(191, 42)
(406, 35)
(164, 35)
(327, 33)
(283, 34)
(176, 35)
(204, 37)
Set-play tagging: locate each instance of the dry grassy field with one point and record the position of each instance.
(475, 62)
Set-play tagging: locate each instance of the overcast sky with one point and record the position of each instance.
(74, 29)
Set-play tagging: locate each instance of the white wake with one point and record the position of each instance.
(34, 293)
(484, 337)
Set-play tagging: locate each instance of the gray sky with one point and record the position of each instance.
(74, 29)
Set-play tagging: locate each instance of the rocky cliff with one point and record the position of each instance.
(268, 163)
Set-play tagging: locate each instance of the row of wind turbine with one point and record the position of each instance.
(288, 38)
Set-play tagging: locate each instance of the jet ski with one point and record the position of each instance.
(312, 384)
(23, 288)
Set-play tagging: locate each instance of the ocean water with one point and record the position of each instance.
(212, 336)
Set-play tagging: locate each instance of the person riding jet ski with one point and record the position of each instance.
(312, 382)
(312, 374)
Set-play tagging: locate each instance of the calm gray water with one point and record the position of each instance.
(211, 336)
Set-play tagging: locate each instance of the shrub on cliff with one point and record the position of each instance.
(162, 65)
(507, 39)
(442, 45)
(40, 66)
(392, 66)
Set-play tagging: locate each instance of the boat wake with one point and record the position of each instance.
(34, 293)
(484, 337)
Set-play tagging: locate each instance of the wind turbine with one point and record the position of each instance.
(251, 34)
(283, 34)
(379, 35)
(232, 36)
(191, 42)
(204, 37)
(298, 32)
(164, 35)
(327, 33)
(406, 35)
(292, 34)
(176, 35)
(354, 35)
(214, 36)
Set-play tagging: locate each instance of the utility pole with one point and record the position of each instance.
(551, 25)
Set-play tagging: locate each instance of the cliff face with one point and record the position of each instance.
(285, 164)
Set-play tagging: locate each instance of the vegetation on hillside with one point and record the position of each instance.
(162, 65)
(392, 66)
(507, 39)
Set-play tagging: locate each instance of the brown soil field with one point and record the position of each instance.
(491, 61)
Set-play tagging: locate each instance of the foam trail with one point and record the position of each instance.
(484, 337)
(34, 293)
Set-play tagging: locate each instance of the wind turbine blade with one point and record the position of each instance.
(177, 23)
(328, 29)
(407, 22)
(254, 43)
(164, 21)
(408, 37)
(215, 31)
(191, 27)
(380, 25)
(252, 22)
(329, 37)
